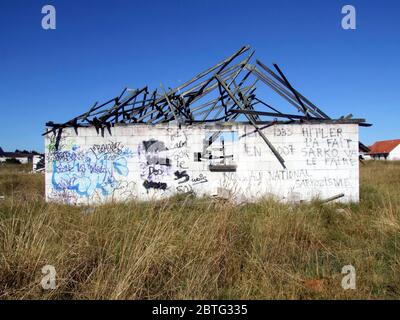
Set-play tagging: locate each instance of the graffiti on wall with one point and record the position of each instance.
(319, 160)
(328, 146)
(102, 169)
(165, 165)
(180, 158)
(154, 164)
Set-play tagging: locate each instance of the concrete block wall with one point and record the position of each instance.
(151, 162)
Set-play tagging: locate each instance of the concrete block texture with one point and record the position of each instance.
(145, 162)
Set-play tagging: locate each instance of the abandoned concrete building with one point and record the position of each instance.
(213, 135)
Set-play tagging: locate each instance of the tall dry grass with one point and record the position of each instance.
(188, 248)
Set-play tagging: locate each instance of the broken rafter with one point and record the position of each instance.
(239, 104)
(221, 93)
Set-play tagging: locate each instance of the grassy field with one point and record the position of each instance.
(198, 248)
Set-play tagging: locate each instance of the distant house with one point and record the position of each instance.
(17, 156)
(385, 150)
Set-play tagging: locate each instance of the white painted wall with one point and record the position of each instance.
(394, 154)
(321, 161)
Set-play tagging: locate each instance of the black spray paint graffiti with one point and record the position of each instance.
(155, 171)
(180, 156)
(200, 179)
(153, 148)
(164, 165)
(154, 185)
(181, 175)
(328, 146)
(154, 164)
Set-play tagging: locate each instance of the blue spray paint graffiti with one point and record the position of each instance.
(87, 171)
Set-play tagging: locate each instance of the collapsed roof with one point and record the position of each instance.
(222, 93)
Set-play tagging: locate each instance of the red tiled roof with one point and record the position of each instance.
(384, 146)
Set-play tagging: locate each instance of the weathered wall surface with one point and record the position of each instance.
(149, 162)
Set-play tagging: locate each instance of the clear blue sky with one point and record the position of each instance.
(99, 47)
